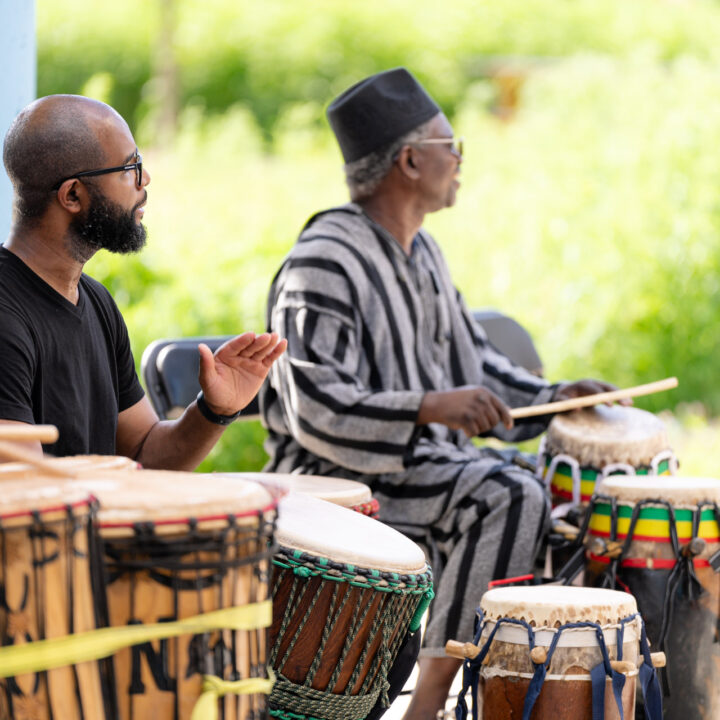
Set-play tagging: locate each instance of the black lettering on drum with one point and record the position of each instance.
(42, 555)
(207, 659)
(157, 662)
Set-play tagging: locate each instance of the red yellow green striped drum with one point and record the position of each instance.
(648, 511)
(659, 538)
(584, 446)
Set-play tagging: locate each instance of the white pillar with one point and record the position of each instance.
(17, 80)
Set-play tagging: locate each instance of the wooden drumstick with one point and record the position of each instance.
(18, 454)
(596, 399)
(27, 433)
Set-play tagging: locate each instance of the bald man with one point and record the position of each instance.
(79, 187)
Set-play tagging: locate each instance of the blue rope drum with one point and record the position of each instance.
(557, 653)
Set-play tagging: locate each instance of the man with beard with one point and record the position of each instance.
(388, 377)
(65, 359)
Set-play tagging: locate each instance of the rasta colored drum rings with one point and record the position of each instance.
(584, 446)
(660, 540)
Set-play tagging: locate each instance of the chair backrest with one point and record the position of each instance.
(170, 370)
(511, 339)
(170, 366)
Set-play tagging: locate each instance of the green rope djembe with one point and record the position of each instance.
(337, 629)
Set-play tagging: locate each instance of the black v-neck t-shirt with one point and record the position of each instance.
(63, 364)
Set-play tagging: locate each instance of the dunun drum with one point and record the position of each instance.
(584, 446)
(661, 542)
(557, 653)
(177, 545)
(347, 593)
(46, 592)
(347, 493)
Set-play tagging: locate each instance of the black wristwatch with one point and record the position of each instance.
(208, 414)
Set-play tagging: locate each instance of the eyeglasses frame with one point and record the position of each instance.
(137, 166)
(455, 143)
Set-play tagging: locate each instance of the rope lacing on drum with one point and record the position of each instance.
(598, 674)
(407, 596)
(682, 574)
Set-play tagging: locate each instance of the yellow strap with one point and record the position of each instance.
(95, 644)
(206, 708)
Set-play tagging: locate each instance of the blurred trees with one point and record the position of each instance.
(591, 213)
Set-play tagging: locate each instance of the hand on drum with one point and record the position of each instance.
(231, 377)
(474, 409)
(579, 388)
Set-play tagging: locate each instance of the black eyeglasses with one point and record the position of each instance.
(137, 166)
(456, 144)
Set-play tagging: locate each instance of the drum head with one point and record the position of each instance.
(673, 488)
(329, 531)
(161, 497)
(20, 497)
(555, 605)
(347, 493)
(73, 464)
(601, 435)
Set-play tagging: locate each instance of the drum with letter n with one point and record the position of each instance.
(584, 446)
(348, 592)
(46, 593)
(557, 653)
(660, 539)
(177, 546)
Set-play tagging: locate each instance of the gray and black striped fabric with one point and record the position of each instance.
(370, 330)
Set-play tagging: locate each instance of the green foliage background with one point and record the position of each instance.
(592, 216)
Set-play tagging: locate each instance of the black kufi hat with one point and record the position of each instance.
(378, 110)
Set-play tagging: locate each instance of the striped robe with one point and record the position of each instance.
(370, 330)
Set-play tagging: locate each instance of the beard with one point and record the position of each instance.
(106, 226)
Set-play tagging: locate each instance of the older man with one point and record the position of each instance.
(80, 186)
(387, 376)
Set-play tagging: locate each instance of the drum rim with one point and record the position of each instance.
(187, 520)
(87, 501)
(371, 577)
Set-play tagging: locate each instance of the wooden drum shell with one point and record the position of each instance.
(559, 699)
(45, 575)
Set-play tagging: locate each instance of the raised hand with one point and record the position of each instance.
(473, 409)
(231, 377)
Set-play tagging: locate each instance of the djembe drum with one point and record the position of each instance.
(584, 446)
(347, 493)
(46, 592)
(70, 465)
(347, 593)
(557, 653)
(660, 540)
(177, 545)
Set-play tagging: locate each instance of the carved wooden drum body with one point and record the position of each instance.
(583, 446)
(347, 592)
(46, 592)
(177, 545)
